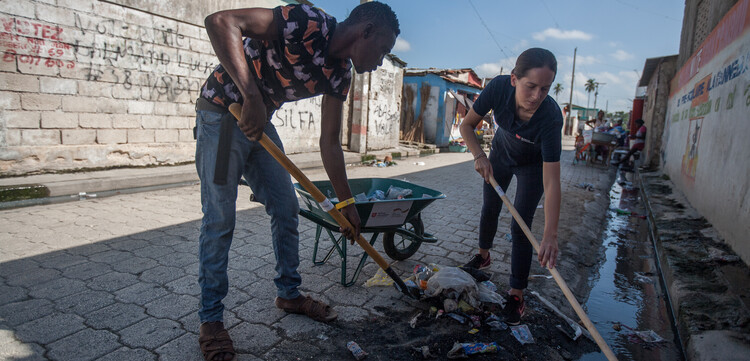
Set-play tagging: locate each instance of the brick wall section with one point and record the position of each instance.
(84, 82)
(91, 84)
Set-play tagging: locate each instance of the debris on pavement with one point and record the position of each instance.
(540, 276)
(646, 336)
(457, 317)
(642, 278)
(587, 186)
(462, 350)
(421, 275)
(572, 331)
(413, 321)
(358, 353)
(379, 279)
(574, 325)
(450, 305)
(522, 334)
(452, 282)
(488, 293)
(425, 352)
(625, 212)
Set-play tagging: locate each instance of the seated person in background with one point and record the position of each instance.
(639, 142)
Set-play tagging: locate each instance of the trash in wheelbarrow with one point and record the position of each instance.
(378, 212)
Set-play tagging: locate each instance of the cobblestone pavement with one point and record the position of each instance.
(116, 278)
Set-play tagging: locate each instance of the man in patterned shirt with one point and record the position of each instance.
(288, 53)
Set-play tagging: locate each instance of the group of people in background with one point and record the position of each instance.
(634, 142)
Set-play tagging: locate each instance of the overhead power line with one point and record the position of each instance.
(550, 14)
(488, 29)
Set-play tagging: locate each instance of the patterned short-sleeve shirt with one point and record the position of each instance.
(290, 68)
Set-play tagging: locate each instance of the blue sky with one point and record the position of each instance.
(614, 38)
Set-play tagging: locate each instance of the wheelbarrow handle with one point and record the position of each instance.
(556, 275)
(236, 110)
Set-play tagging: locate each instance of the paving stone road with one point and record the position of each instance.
(116, 278)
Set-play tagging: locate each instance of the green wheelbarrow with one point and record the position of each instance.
(399, 220)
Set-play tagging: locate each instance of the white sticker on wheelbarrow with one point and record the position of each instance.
(388, 214)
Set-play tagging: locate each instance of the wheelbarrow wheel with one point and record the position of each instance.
(400, 247)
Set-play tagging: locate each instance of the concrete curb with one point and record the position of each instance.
(74, 186)
(682, 242)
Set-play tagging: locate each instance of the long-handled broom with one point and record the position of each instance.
(556, 275)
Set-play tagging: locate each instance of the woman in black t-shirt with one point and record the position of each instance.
(527, 144)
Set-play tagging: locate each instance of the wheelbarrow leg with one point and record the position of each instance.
(361, 264)
(335, 246)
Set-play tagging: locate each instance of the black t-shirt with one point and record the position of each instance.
(516, 142)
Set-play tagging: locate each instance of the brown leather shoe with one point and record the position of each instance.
(306, 305)
(216, 345)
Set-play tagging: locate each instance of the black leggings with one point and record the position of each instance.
(529, 190)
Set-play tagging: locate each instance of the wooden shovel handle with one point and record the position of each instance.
(556, 275)
(236, 110)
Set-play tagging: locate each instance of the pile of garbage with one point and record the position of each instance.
(461, 294)
(386, 162)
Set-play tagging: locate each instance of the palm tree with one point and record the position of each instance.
(590, 86)
(557, 89)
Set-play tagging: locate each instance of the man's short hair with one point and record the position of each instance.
(376, 12)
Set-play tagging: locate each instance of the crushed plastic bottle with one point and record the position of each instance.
(357, 351)
(421, 275)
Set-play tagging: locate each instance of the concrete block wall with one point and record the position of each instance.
(705, 143)
(384, 108)
(90, 84)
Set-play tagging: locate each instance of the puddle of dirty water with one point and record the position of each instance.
(628, 294)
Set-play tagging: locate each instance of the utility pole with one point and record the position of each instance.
(568, 127)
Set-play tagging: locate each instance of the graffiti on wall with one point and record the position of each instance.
(384, 120)
(34, 44)
(715, 93)
(144, 62)
(301, 118)
(710, 95)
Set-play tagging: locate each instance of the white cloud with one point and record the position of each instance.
(487, 70)
(401, 45)
(554, 33)
(622, 55)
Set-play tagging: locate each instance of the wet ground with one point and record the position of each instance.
(628, 294)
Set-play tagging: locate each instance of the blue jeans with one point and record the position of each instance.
(272, 186)
(529, 190)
